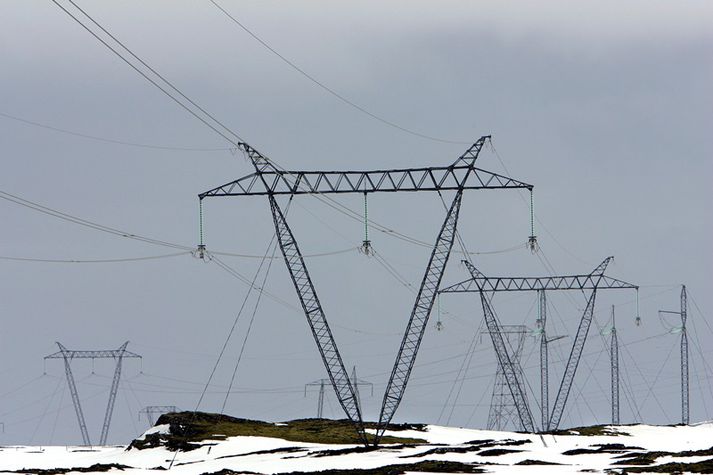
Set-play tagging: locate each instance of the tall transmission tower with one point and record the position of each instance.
(545, 341)
(596, 280)
(270, 181)
(685, 410)
(150, 412)
(544, 357)
(322, 384)
(503, 410)
(614, 353)
(68, 355)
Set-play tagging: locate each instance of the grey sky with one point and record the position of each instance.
(606, 108)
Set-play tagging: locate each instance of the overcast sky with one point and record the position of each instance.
(606, 108)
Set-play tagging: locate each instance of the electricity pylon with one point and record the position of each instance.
(320, 399)
(150, 412)
(614, 369)
(268, 180)
(596, 280)
(545, 341)
(321, 384)
(68, 355)
(685, 411)
(503, 410)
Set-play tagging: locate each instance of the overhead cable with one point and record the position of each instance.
(114, 141)
(175, 94)
(328, 89)
(94, 261)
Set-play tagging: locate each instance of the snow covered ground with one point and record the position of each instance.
(490, 451)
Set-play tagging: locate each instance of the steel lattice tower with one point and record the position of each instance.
(271, 181)
(594, 281)
(614, 371)
(685, 410)
(68, 355)
(503, 411)
(685, 400)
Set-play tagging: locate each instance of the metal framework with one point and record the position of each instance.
(544, 357)
(512, 376)
(270, 181)
(593, 281)
(685, 401)
(614, 364)
(503, 410)
(360, 382)
(151, 411)
(321, 384)
(320, 399)
(68, 355)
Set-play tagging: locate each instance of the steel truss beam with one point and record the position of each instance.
(461, 175)
(316, 318)
(592, 281)
(499, 413)
(508, 367)
(519, 284)
(577, 347)
(269, 180)
(418, 321)
(75, 396)
(68, 355)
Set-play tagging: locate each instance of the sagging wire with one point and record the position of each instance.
(250, 325)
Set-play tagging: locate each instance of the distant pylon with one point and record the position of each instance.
(321, 384)
(68, 355)
(151, 411)
(503, 411)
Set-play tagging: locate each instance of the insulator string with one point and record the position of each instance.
(200, 222)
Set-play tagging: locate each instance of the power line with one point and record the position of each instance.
(216, 126)
(121, 233)
(208, 119)
(86, 223)
(326, 88)
(113, 141)
(250, 325)
(93, 261)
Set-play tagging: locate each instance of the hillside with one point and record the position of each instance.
(214, 444)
